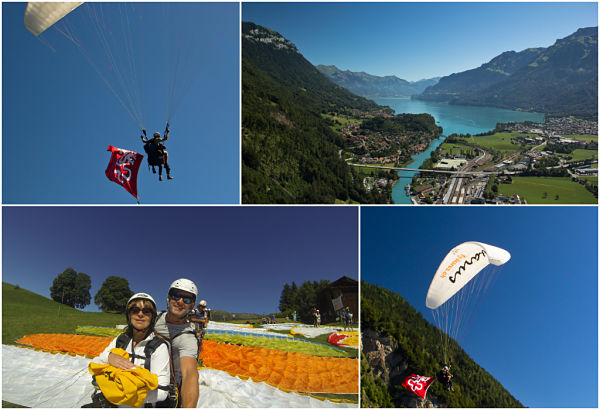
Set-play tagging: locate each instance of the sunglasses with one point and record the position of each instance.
(135, 310)
(176, 296)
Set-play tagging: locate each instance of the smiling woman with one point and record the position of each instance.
(137, 348)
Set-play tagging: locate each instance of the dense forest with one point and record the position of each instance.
(416, 342)
(301, 299)
(290, 153)
(404, 123)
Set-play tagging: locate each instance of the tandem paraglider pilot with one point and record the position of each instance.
(134, 369)
(445, 377)
(175, 327)
(157, 152)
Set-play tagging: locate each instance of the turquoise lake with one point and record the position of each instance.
(458, 119)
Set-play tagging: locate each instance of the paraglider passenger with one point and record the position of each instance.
(139, 335)
(445, 377)
(175, 326)
(157, 152)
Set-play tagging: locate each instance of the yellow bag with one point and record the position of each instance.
(128, 387)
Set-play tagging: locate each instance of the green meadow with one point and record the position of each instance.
(500, 141)
(25, 312)
(587, 138)
(548, 190)
(582, 154)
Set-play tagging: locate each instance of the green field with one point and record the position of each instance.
(581, 154)
(533, 189)
(499, 141)
(587, 138)
(24, 312)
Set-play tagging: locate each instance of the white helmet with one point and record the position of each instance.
(202, 303)
(186, 285)
(144, 296)
(157, 134)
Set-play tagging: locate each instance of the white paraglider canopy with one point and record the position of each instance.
(41, 15)
(458, 285)
(459, 266)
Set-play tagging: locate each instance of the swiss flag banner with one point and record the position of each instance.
(418, 384)
(123, 168)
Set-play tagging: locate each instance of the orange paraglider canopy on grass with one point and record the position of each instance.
(286, 370)
(79, 344)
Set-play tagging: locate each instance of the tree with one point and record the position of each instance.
(113, 295)
(301, 299)
(285, 301)
(71, 288)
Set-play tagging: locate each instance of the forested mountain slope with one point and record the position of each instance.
(398, 341)
(290, 153)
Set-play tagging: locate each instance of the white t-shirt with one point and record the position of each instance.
(159, 364)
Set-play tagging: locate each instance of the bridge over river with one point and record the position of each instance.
(457, 174)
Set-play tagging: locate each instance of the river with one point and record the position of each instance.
(460, 119)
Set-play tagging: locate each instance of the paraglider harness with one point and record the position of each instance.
(172, 400)
(154, 151)
(173, 389)
(445, 378)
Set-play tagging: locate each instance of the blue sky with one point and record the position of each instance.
(537, 330)
(239, 257)
(59, 117)
(418, 40)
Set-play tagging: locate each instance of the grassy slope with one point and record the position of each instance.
(24, 312)
(533, 188)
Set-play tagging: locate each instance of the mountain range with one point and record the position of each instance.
(558, 80)
(372, 86)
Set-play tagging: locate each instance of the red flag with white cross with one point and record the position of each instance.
(123, 168)
(418, 384)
